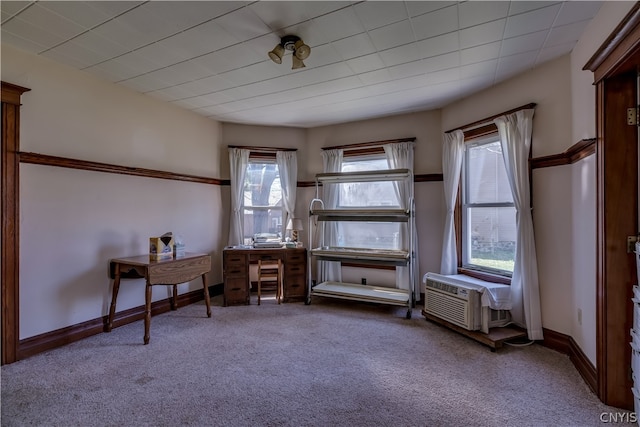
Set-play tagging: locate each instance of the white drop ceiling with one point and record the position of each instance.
(368, 58)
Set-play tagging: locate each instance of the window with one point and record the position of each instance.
(262, 201)
(488, 211)
(367, 195)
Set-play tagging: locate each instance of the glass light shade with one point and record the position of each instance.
(276, 54)
(297, 63)
(302, 51)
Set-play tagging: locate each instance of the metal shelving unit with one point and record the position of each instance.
(401, 257)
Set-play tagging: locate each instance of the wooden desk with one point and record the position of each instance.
(169, 272)
(237, 285)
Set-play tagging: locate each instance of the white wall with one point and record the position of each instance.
(72, 222)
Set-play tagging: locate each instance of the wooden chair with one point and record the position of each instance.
(271, 270)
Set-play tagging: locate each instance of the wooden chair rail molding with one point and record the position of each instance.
(576, 152)
(64, 162)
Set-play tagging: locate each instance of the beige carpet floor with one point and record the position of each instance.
(332, 363)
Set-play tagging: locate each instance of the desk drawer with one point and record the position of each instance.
(295, 287)
(295, 269)
(296, 257)
(234, 264)
(236, 291)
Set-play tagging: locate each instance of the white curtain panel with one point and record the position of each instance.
(452, 155)
(400, 156)
(288, 168)
(515, 137)
(238, 161)
(332, 162)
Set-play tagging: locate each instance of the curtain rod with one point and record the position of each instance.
(490, 119)
(370, 144)
(261, 149)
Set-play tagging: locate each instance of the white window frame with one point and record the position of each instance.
(466, 206)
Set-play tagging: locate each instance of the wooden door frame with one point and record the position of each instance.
(615, 75)
(10, 213)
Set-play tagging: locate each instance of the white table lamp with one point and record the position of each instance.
(295, 225)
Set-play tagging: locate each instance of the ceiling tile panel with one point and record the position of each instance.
(122, 34)
(374, 77)
(518, 7)
(254, 73)
(340, 24)
(380, 13)
(187, 14)
(113, 71)
(107, 48)
(280, 14)
(317, 8)
(320, 56)
(148, 21)
(189, 71)
(482, 34)
(480, 53)
(32, 33)
(243, 24)
(574, 11)
(439, 45)
(480, 12)
(531, 22)
(392, 35)
(478, 68)
(138, 62)
(416, 8)
(82, 13)
(435, 23)
(114, 8)
(520, 44)
(364, 64)
(566, 33)
(78, 55)
(145, 83)
(511, 65)
(13, 7)
(206, 38)
(161, 54)
(354, 46)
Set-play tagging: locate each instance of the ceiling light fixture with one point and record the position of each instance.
(297, 47)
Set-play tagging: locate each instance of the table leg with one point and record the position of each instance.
(114, 297)
(174, 299)
(207, 300)
(147, 313)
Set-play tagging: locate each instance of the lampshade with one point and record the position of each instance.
(301, 50)
(297, 63)
(276, 54)
(294, 224)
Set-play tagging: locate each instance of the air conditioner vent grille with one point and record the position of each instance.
(449, 308)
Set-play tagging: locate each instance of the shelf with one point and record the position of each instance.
(332, 253)
(363, 215)
(377, 294)
(368, 176)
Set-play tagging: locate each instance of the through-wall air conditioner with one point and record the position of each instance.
(458, 300)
